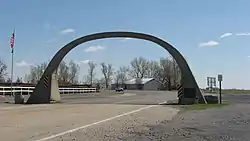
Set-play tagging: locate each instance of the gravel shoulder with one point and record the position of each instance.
(229, 123)
(127, 128)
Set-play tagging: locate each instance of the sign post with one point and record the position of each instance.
(220, 79)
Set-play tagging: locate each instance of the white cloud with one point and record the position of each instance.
(210, 43)
(125, 39)
(82, 62)
(23, 64)
(226, 35)
(243, 34)
(248, 56)
(94, 48)
(67, 30)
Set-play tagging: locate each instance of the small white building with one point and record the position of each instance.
(143, 84)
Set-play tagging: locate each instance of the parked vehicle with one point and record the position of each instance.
(119, 89)
(211, 99)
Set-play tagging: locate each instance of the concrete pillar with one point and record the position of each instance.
(191, 92)
(55, 94)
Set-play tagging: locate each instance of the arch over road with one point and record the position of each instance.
(44, 89)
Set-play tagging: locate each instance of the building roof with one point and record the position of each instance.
(143, 80)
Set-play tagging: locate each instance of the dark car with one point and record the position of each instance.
(119, 89)
(211, 98)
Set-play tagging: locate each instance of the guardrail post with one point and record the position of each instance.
(21, 91)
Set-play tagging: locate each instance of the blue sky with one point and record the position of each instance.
(214, 35)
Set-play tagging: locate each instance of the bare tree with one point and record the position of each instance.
(101, 82)
(167, 72)
(19, 80)
(91, 72)
(63, 73)
(139, 67)
(3, 68)
(36, 73)
(153, 69)
(66, 73)
(176, 73)
(123, 74)
(73, 72)
(117, 77)
(8, 80)
(27, 78)
(107, 71)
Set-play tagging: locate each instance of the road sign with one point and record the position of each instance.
(220, 77)
(208, 81)
(214, 81)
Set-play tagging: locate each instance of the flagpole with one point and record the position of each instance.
(12, 60)
(11, 83)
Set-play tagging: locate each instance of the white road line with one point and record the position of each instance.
(98, 122)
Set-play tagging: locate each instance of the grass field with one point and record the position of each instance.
(230, 91)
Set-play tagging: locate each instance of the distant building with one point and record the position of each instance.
(143, 84)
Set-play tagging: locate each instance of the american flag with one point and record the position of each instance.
(12, 40)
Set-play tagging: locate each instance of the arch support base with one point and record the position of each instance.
(190, 94)
(46, 91)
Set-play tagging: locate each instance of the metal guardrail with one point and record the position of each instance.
(28, 90)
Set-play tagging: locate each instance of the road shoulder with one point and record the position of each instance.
(123, 128)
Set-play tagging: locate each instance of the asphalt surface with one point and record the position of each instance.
(132, 97)
(128, 97)
(111, 97)
(230, 123)
(92, 116)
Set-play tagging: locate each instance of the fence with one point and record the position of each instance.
(28, 90)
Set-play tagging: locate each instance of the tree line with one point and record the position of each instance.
(165, 70)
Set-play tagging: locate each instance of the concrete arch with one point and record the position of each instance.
(43, 90)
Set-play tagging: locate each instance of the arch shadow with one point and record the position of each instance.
(43, 90)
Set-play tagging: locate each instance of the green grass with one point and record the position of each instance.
(204, 106)
(230, 91)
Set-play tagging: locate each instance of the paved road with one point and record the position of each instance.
(134, 97)
(106, 116)
(129, 97)
(111, 97)
(85, 117)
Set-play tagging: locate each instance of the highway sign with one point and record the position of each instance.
(220, 77)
